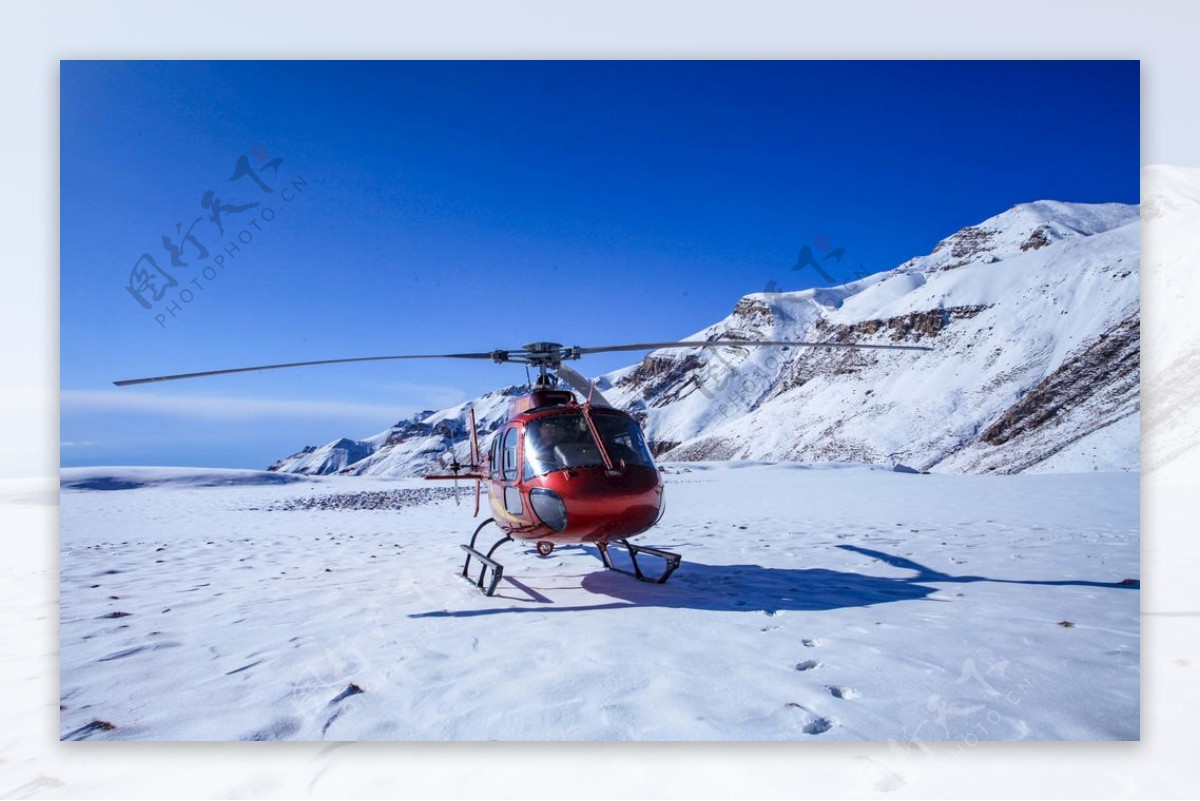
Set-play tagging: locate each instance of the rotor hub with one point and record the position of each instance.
(543, 355)
(543, 347)
(547, 355)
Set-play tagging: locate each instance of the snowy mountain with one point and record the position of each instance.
(410, 447)
(1032, 315)
(1171, 217)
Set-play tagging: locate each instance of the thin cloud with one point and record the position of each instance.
(429, 396)
(224, 407)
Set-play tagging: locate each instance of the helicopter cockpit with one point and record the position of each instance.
(564, 441)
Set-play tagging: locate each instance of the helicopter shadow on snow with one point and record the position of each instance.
(754, 588)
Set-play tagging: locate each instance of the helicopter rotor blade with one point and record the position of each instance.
(153, 379)
(550, 355)
(722, 343)
(582, 385)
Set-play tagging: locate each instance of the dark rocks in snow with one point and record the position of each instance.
(705, 449)
(352, 689)
(384, 500)
(1170, 398)
(1107, 370)
(1037, 239)
(659, 447)
(908, 326)
(754, 311)
(86, 731)
(662, 380)
(968, 242)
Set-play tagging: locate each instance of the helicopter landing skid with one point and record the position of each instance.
(672, 560)
(486, 560)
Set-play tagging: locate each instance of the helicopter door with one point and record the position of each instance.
(510, 452)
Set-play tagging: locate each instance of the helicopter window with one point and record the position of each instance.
(510, 454)
(623, 440)
(494, 466)
(512, 500)
(559, 442)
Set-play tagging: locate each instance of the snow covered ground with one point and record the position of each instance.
(814, 603)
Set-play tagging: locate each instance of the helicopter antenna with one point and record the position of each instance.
(455, 466)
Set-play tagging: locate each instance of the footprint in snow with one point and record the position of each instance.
(332, 718)
(807, 664)
(817, 726)
(281, 729)
(844, 693)
(812, 643)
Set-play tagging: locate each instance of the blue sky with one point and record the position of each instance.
(424, 207)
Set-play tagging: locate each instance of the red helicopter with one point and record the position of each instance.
(559, 471)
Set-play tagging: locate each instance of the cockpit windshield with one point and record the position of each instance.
(623, 440)
(558, 442)
(565, 440)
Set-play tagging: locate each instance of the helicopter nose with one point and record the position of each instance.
(593, 504)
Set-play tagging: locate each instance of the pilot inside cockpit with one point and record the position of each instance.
(558, 442)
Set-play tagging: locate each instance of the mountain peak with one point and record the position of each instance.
(1024, 227)
(1167, 189)
(1079, 219)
